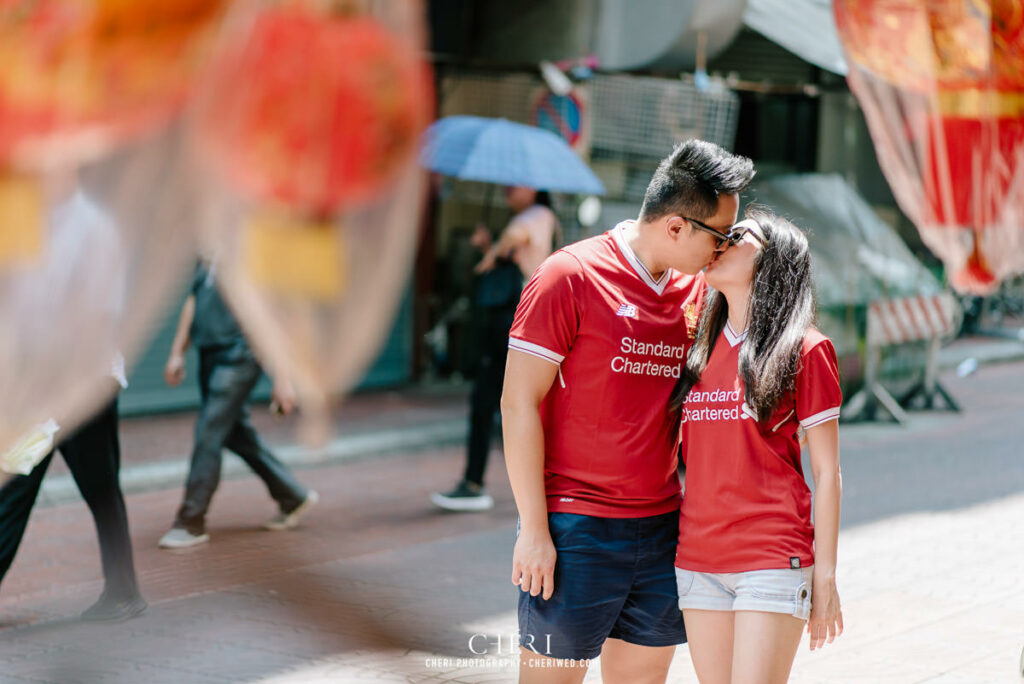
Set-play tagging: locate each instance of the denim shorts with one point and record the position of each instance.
(614, 579)
(769, 591)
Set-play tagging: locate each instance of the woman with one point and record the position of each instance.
(751, 568)
(528, 240)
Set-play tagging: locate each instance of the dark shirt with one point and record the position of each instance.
(213, 324)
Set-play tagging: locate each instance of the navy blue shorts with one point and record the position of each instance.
(614, 579)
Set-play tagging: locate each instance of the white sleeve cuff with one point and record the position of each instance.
(819, 418)
(535, 350)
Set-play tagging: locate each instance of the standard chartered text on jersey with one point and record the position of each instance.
(671, 351)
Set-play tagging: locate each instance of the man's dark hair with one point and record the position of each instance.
(689, 181)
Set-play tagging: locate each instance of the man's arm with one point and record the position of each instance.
(174, 370)
(527, 380)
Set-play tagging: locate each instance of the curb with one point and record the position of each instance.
(172, 472)
(983, 352)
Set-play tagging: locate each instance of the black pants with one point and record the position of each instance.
(93, 454)
(227, 376)
(485, 400)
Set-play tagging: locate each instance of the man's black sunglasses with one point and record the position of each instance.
(699, 225)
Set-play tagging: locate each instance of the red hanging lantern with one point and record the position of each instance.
(78, 76)
(309, 121)
(81, 270)
(315, 110)
(941, 83)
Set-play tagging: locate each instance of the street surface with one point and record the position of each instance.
(376, 585)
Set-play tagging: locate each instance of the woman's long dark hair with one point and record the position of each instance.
(780, 309)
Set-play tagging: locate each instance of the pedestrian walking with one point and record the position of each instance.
(506, 265)
(93, 455)
(598, 342)
(752, 568)
(228, 372)
(81, 236)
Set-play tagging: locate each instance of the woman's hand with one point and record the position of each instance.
(533, 564)
(486, 263)
(826, 621)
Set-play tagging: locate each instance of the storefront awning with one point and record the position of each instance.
(807, 28)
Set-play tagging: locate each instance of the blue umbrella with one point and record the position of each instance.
(506, 153)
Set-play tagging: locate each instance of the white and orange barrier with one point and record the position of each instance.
(923, 318)
(910, 319)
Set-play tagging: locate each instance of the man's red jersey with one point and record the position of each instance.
(746, 504)
(620, 339)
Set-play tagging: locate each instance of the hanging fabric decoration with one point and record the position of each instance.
(308, 129)
(81, 76)
(941, 83)
(95, 217)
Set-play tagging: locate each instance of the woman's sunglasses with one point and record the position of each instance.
(741, 230)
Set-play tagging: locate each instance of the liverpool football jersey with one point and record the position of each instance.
(746, 504)
(619, 338)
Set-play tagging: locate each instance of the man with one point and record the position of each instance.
(228, 371)
(592, 455)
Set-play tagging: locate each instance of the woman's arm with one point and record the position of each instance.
(826, 621)
(515, 235)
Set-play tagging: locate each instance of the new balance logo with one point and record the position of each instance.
(627, 310)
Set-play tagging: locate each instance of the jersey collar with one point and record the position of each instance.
(732, 336)
(638, 266)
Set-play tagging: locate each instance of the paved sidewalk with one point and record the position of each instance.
(368, 570)
(377, 587)
(929, 598)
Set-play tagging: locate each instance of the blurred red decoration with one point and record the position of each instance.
(315, 110)
(77, 76)
(941, 83)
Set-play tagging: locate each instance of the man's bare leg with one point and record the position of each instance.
(538, 669)
(625, 663)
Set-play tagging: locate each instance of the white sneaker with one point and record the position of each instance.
(287, 521)
(466, 497)
(179, 538)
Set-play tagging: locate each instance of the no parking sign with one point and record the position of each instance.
(564, 115)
